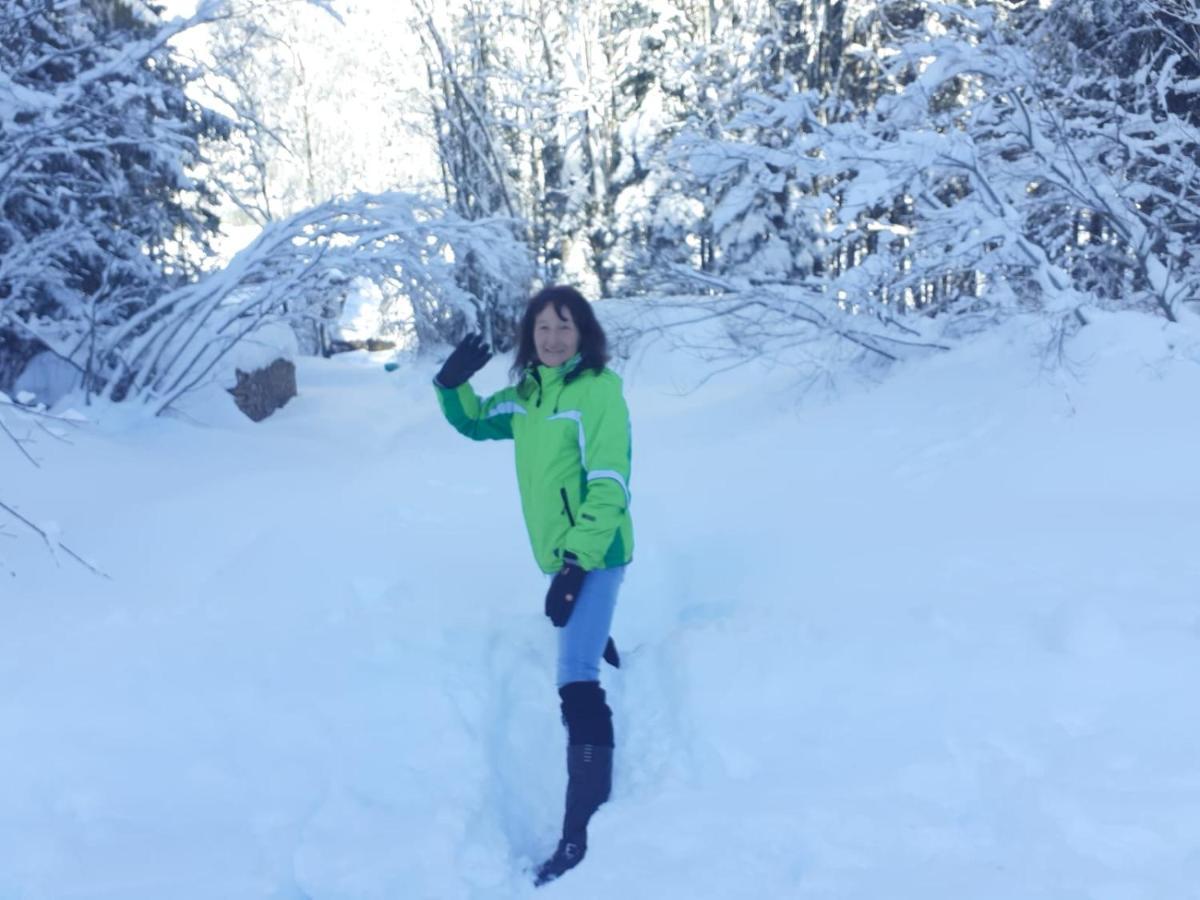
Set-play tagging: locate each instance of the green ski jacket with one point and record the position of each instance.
(570, 428)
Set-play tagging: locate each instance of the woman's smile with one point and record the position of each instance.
(555, 336)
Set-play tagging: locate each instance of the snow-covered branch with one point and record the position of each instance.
(10, 414)
(293, 267)
(978, 178)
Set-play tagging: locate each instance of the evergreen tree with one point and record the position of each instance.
(97, 210)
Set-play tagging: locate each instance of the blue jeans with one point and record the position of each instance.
(581, 641)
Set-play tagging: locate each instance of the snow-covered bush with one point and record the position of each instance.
(291, 271)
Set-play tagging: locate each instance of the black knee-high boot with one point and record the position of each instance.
(589, 771)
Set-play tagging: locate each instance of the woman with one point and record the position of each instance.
(567, 417)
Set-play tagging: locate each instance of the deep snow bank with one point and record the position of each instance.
(932, 638)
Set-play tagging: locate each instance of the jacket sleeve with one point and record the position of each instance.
(606, 452)
(478, 419)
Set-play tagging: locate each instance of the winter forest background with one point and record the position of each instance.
(904, 298)
(894, 175)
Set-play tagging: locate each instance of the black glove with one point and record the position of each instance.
(468, 357)
(564, 590)
(611, 656)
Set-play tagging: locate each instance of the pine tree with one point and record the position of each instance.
(98, 211)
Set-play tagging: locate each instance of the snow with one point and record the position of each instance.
(260, 348)
(361, 318)
(46, 379)
(934, 637)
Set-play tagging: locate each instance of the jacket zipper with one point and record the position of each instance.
(567, 507)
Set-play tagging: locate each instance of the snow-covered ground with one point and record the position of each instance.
(939, 638)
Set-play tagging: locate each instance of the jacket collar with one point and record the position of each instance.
(546, 376)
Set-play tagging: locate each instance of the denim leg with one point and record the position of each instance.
(581, 641)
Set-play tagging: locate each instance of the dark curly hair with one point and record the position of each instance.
(593, 344)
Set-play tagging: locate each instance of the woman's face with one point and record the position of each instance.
(555, 336)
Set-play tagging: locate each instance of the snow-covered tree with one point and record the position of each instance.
(980, 178)
(475, 137)
(96, 137)
(1119, 84)
(557, 113)
(411, 247)
(316, 95)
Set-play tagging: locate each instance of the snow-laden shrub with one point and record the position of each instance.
(291, 271)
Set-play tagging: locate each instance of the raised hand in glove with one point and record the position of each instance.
(468, 357)
(564, 590)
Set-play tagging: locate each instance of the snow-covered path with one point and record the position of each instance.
(933, 639)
